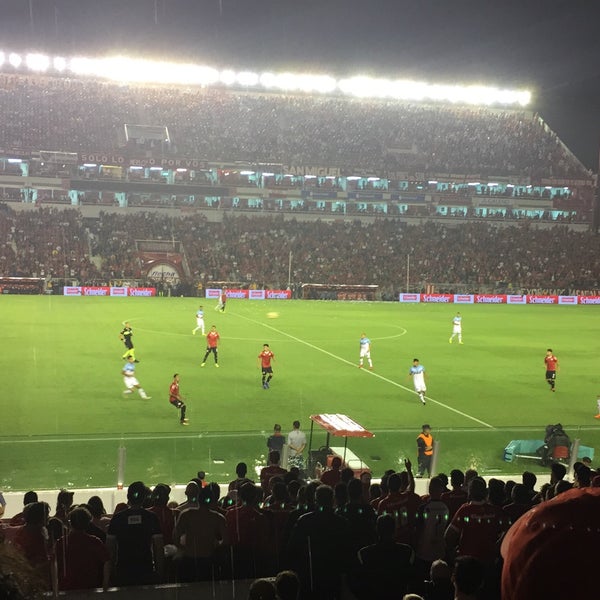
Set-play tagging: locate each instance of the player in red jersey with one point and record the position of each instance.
(264, 361)
(212, 342)
(176, 400)
(551, 363)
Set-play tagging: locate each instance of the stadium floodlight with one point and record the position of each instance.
(2, 58)
(268, 174)
(180, 170)
(227, 77)
(474, 183)
(247, 78)
(492, 184)
(246, 172)
(432, 182)
(373, 178)
(37, 62)
(15, 161)
(156, 168)
(15, 59)
(90, 165)
(310, 177)
(59, 63)
(353, 178)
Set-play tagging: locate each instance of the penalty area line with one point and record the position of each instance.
(372, 373)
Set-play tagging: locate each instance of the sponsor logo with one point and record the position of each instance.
(142, 291)
(237, 293)
(278, 294)
(410, 298)
(589, 299)
(212, 293)
(542, 299)
(96, 291)
(490, 299)
(463, 298)
(72, 291)
(516, 299)
(256, 294)
(436, 297)
(567, 299)
(118, 291)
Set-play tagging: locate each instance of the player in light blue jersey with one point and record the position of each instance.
(130, 379)
(417, 372)
(199, 321)
(365, 351)
(456, 328)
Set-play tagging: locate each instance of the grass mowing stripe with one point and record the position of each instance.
(345, 361)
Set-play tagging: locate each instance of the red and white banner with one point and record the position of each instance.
(237, 293)
(497, 299)
(213, 293)
(256, 294)
(72, 290)
(141, 291)
(102, 290)
(77, 290)
(279, 294)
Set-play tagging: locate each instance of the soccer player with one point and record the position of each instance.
(456, 328)
(222, 301)
(417, 372)
(130, 379)
(199, 321)
(212, 342)
(126, 336)
(597, 415)
(176, 400)
(264, 361)
(551, 363)
(365, 351)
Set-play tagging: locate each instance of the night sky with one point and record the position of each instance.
(549, 46)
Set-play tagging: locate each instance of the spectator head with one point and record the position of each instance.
(241, 470)
(562, 486)
(214, 490)
(96, 507)
(64, 500)
(385, 528)
(582, 476)
(558, 471)
(457, 478)
(262, 589)
(296, 424)
(347, 474)
(336, 463)
(274, 457)
(287, 585)
(529, 480)
(436, 488)
(394, 483)
(80, 518)
(340, 492)
(477, 489)
(137, 493)
(192, 492)
(375, 491)
(440, 571)
(279, 492)
(277, 428)
(587, 461)
(470, 474)
(520, 494)
(248, 494)
(355, 490)
(496, 491)
(468, 575)
(160, 494)
(29, 497)
(324, 497)
(36, 514)
(444, 479)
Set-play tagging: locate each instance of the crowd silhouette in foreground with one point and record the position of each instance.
(302, 538)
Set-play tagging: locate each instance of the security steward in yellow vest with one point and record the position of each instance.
(424, 451)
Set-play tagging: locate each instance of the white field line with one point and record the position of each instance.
(342, 359)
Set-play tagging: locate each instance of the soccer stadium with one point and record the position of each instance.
(310, 334)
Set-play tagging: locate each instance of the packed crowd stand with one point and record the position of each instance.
(79, 115)
(59, 243)
(339, 532)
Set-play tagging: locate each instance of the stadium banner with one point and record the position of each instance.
(589, 299)
(567, 299)
(256, 294)
(441, 298)
(534, 299)
(212, 293)
(141, 291)
(410, 298)
(95, 290)
(243, 294)
(516, 299)
(464, 298)
(72, 290)
(490, 299)
(279, 294)
(118, 291)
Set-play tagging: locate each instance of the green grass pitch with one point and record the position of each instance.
(64, 416)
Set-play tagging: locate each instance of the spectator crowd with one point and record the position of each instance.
(216, 124)
(314, 538)
(255, 250)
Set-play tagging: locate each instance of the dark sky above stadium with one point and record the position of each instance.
(549, 46)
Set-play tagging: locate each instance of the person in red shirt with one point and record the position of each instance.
(551, 363)
(264, 361)
(176, 400)
(477, 526)
(212, 342)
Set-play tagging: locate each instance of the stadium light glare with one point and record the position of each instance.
(268, 174)
(247, 78)
(246, 172)
(353, 178)
(227, 77)
(15, 59)
(37, 62)
(15, 161)
(2, 58)
(59, 64)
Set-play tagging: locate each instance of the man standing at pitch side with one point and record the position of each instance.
(551, 363)
(212, 342)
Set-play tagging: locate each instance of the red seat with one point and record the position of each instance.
(560, 452)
